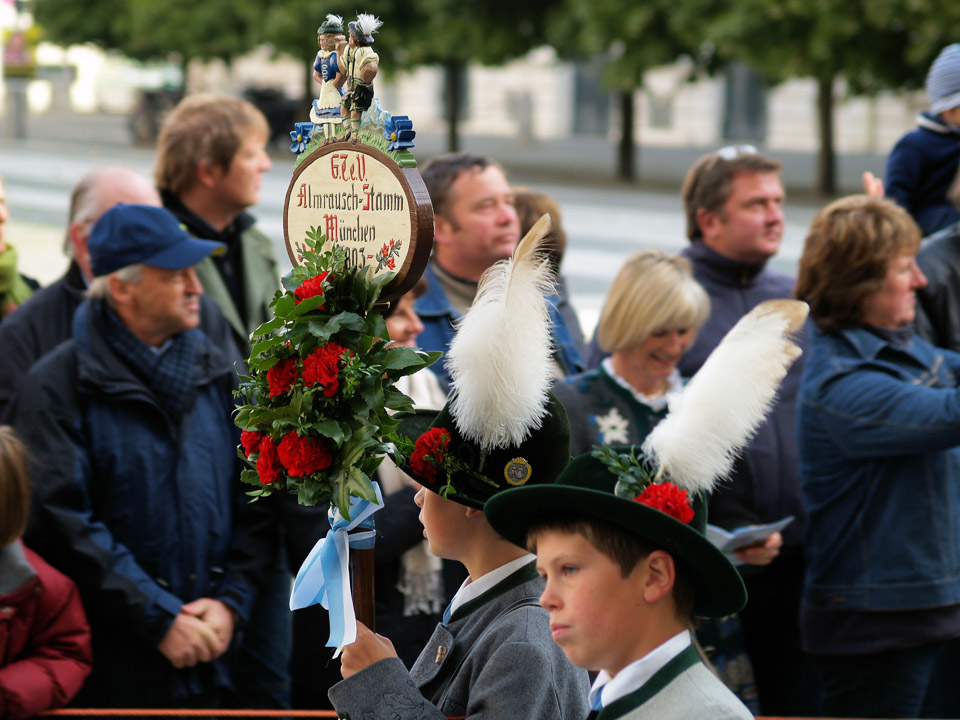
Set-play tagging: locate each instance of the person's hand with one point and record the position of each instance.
(188, 641)
(872, 185)
(218, 616)
(761, 553)
(367, 649)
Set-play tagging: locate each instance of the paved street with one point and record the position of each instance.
(604, 221)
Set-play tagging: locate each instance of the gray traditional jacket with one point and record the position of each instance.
(494, 659)
(683, 688)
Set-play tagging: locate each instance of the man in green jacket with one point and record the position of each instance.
(211, 157)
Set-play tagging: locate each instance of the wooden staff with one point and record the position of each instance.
(361, 572)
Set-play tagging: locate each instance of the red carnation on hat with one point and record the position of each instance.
(311, 287)
(667, 498)
(282, 376)
(250, 439)
(268, 464)
(429, 452)
(321, 367)
(303, 455)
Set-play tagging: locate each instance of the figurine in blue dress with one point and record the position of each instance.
(326, 69)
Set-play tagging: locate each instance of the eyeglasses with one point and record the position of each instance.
(731, 152)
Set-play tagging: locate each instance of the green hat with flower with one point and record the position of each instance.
(444, 461)
(502, 427)
(659, 491)
(617, 486)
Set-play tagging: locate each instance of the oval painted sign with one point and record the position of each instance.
(362, 200)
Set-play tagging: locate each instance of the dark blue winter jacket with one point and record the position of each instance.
(142, 510)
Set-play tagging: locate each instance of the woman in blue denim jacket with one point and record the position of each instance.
(879, 441)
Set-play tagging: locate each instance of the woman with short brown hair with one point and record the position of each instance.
(879, 442)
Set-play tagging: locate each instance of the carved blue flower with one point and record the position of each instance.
(300, 136)
(399, 131)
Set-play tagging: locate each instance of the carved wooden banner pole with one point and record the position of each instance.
(380, 212)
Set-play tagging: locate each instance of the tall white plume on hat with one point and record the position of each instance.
(722, 406)
(335, 19)
(368, 24)
(500, 360)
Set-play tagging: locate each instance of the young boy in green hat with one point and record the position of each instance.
(492, 656)
(623, 581)
(620, 536)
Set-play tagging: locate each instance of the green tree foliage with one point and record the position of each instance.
(450, 33)
(70, 22)
(871, 44)
(146, 30)
(633, 37)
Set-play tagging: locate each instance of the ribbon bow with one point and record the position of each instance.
(325, 574)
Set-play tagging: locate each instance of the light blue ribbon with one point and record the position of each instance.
(324, 577)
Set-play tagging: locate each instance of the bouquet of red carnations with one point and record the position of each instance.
(315, 413)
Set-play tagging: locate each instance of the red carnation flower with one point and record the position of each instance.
(667, 498)
(282, 376)
(250, 439)
(321, 367)
(311, 287)
(428, 453)
(303, 455)
(268, 464)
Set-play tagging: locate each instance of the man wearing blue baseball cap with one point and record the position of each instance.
(135, 477)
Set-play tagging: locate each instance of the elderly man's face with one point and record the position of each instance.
(164, 303)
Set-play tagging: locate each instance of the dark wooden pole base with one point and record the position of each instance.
(361, 571)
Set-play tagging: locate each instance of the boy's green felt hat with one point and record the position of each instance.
(592, 488)
(467, 475)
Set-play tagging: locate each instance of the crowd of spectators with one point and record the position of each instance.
(152, 582)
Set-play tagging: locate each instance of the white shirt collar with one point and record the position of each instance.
(472, 589)
(659, 402)
(639, 672)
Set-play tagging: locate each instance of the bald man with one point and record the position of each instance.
(44, 321)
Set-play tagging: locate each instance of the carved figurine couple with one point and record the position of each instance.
(340, 63)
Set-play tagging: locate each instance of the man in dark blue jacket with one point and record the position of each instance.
(733, 201)
(136, 487)
(44, 321)
(475, 226)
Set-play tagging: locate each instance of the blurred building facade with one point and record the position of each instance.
(536, 97)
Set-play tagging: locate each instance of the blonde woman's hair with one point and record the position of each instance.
(14, 486)
(652, 291)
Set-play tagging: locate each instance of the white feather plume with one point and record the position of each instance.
(500, 359)
(368, 24)
(335, 19)
(722, 406)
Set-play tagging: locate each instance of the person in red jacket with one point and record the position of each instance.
(45, 652)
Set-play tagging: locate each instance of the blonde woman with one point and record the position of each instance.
(651, 317)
